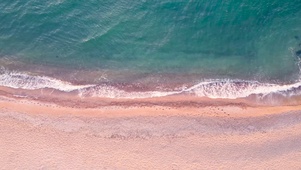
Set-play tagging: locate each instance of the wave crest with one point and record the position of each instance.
(24, 81)
(233, 89)
(227, 89)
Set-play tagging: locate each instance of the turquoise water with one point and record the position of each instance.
(217, 39)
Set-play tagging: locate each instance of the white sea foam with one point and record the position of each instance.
(230, 89)
(227, 89)
(237, 88)
(113, 92)
(24, 81)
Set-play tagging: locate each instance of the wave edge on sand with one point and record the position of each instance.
(215, 88)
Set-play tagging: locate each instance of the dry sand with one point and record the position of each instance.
(160, 133)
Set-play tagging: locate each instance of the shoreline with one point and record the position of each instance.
(44, 99)
(130, 85)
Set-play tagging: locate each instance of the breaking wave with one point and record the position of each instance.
(233, 89)
(25, 81)
(228, 89)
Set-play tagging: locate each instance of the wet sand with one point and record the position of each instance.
(177, 132)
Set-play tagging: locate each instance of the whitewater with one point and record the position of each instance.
(215, 88)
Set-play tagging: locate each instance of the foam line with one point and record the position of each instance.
(237, 88)
(230, 89)
(24, 81)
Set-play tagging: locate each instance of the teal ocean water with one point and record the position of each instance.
(239, 41)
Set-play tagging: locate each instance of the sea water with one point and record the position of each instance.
(219, 45)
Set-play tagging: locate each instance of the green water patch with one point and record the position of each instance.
(250, 39)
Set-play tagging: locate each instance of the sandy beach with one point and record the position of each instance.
(177, 132)
(150, 85)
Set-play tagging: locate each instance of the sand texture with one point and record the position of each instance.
(159, 133)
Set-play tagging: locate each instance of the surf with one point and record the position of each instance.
(211, 88)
